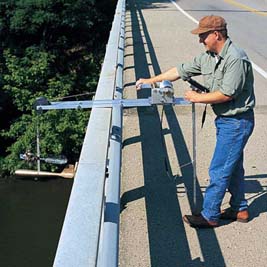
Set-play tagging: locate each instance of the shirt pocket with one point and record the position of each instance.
(219, 77)
(207, 77)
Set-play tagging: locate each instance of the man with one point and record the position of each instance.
(228, 75)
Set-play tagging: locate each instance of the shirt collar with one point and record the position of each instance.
(224, 50)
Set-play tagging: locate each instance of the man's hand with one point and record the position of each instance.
(170, 75)
(142, 81)
(192, 96)
(207, 98)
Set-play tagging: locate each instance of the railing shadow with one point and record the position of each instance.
(258, 199)
(168, 242)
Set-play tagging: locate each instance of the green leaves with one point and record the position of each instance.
(26, 77)
(52, 49)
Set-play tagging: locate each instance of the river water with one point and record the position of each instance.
(31, 218)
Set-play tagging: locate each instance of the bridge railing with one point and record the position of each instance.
(90, 231)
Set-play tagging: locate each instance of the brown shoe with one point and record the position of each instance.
(240, 216)
(198, 221)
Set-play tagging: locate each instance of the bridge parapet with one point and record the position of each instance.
(86, 225)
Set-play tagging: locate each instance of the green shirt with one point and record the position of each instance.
(230, 72)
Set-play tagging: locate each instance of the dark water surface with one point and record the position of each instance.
(31, 218)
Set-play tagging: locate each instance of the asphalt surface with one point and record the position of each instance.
(157, 184)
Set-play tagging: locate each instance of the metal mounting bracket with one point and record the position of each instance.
(162, 95)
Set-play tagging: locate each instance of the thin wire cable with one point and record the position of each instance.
(163, 146)
(70, 96)
(172, 177)
(162, 141)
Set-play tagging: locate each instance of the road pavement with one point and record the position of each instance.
(157, 185)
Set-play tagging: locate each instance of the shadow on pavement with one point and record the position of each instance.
(168, 242)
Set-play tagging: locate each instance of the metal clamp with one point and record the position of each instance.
(163, 93)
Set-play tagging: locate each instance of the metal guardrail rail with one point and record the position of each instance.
(90, 231)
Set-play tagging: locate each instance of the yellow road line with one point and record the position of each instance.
(246, 7)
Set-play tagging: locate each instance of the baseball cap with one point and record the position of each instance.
(210, 23)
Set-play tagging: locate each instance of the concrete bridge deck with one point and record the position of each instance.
(152, 232)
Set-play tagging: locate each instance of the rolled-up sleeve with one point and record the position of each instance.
(189, 69)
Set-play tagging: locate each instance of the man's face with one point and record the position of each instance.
(209, 39)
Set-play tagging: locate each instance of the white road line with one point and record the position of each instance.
(259, 70)
(184, 12)
(255, 66)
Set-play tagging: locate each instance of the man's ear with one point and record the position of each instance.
(219, 36)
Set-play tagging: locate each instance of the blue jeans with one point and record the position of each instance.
(226, 169)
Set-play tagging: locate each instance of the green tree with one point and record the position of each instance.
(52, 49)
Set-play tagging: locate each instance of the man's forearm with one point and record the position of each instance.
(170, 75)
(207, 98)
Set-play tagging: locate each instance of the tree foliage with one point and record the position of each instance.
(52, 49)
